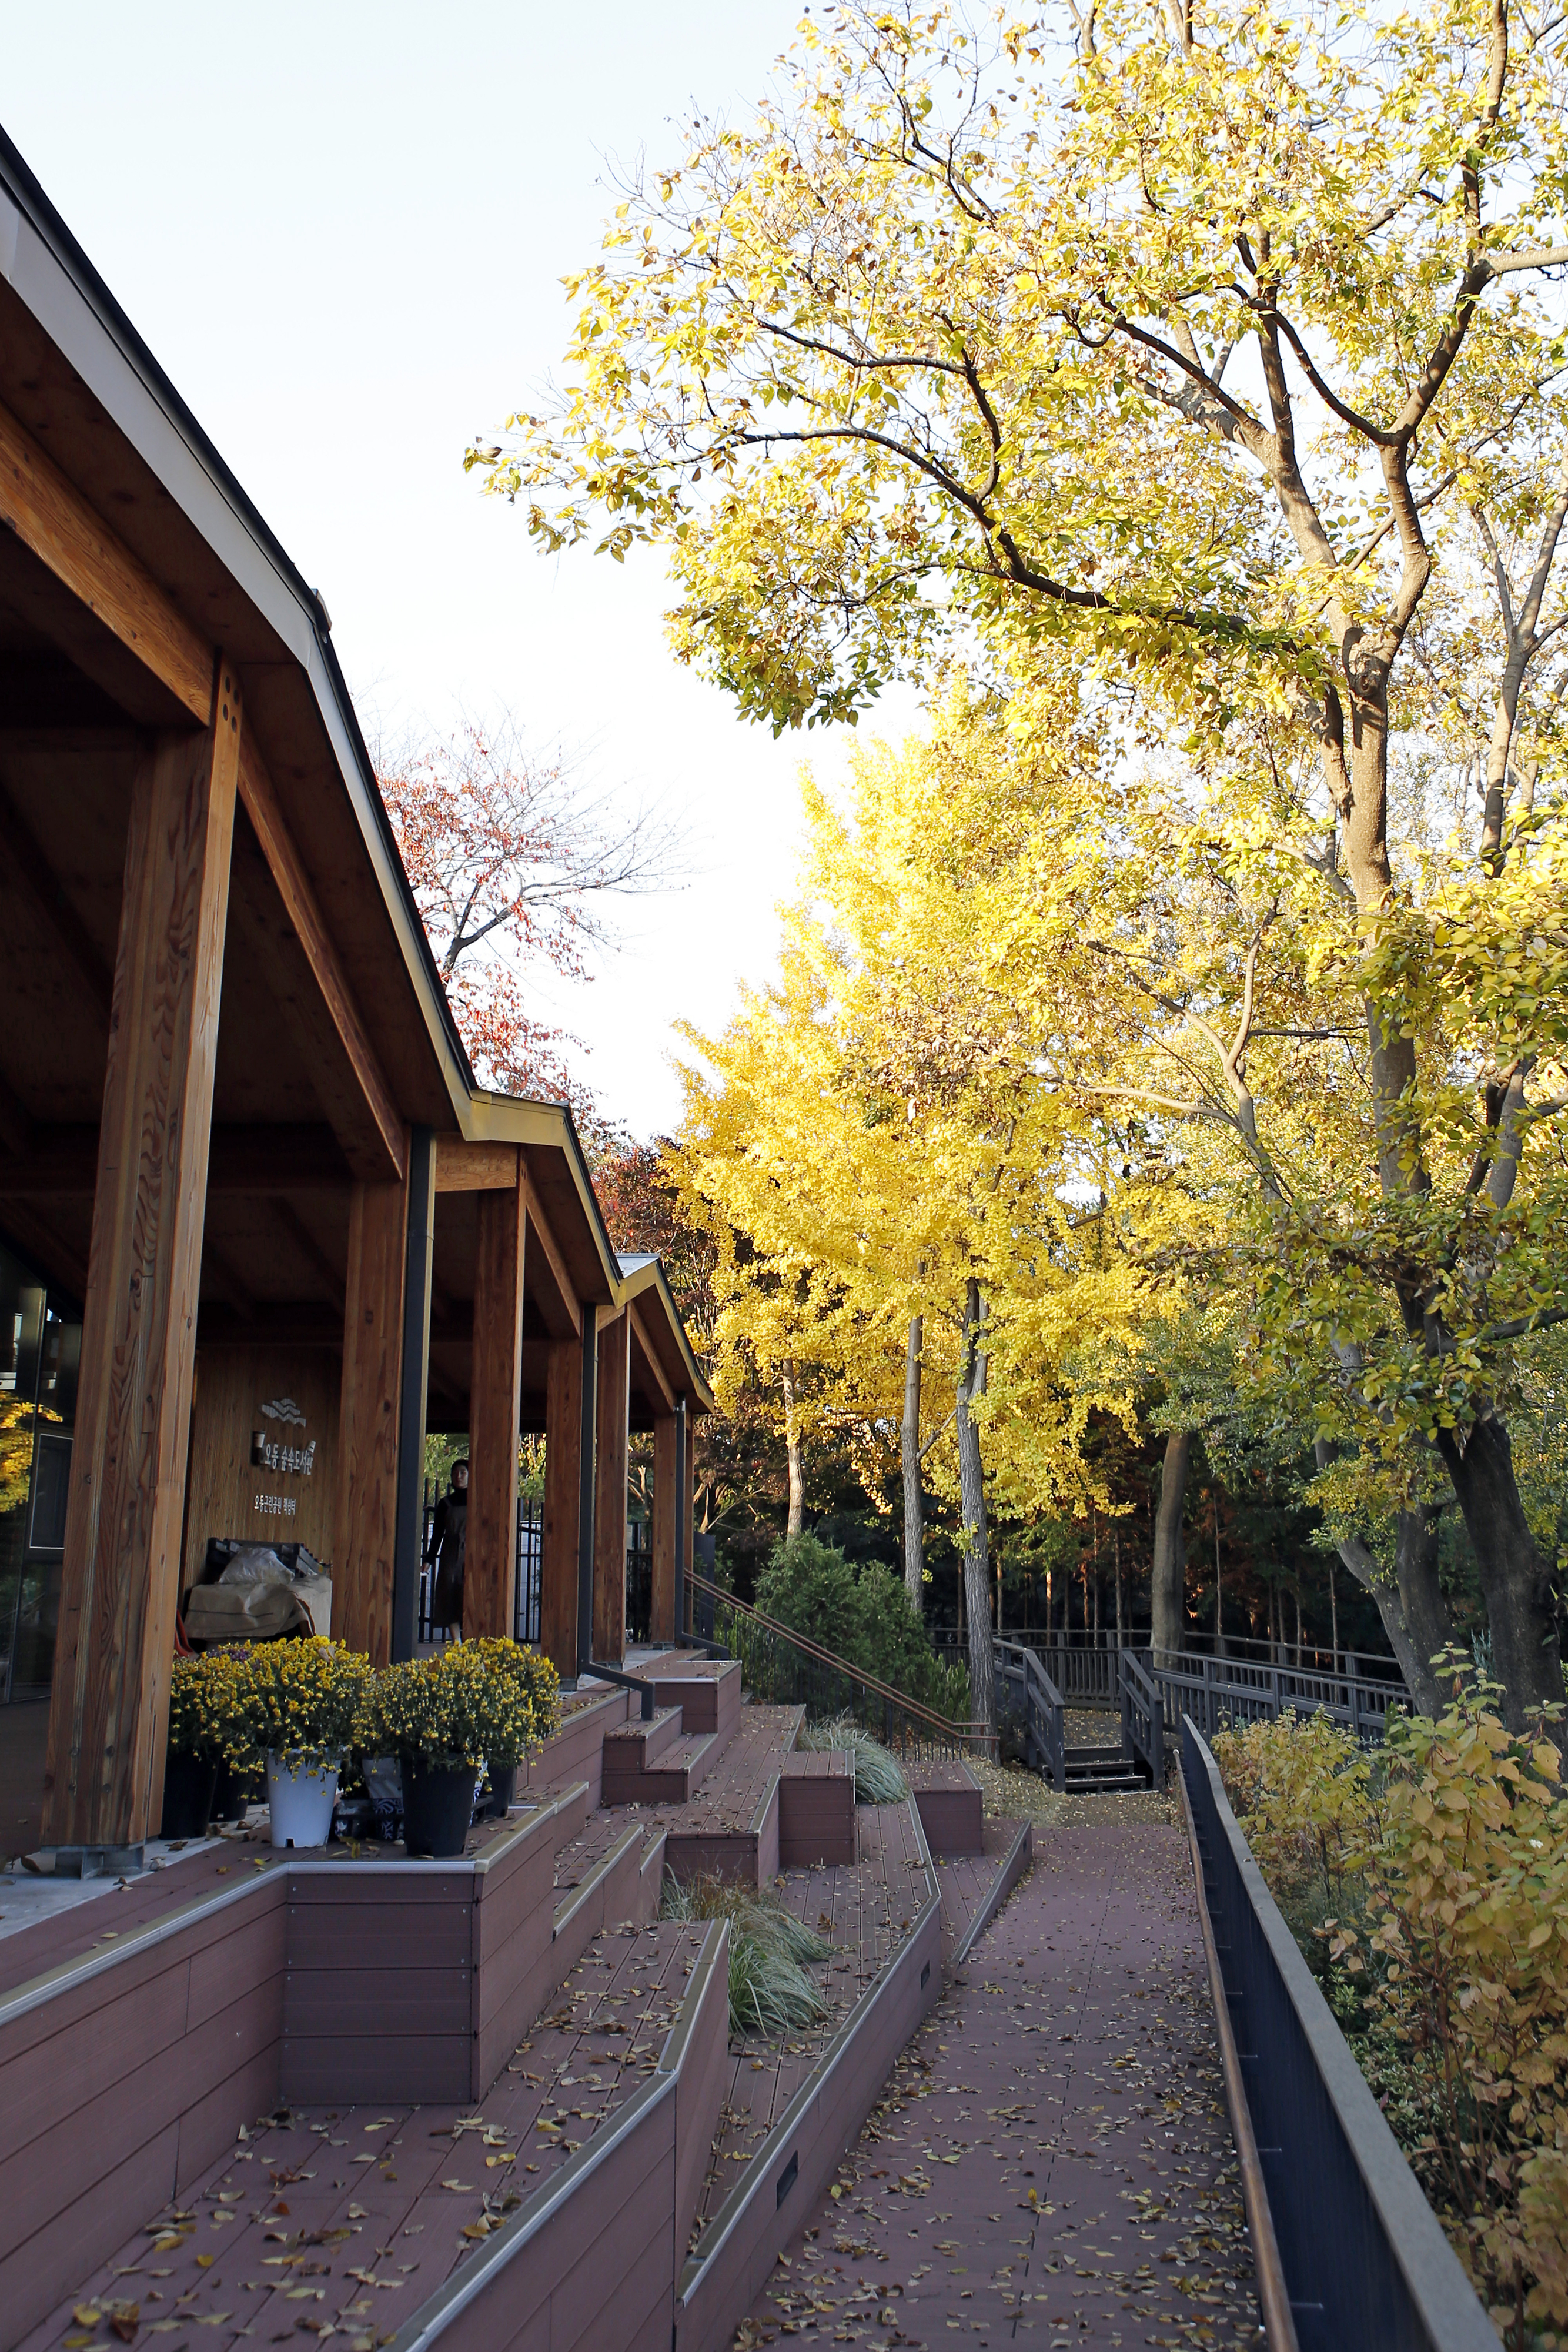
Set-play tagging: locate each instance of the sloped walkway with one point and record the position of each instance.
(1053, 2162)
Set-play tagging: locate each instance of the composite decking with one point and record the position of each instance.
(351, 2219)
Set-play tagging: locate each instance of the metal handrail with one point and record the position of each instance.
(922, 1719)
(1216, 1691)
(627, 1682)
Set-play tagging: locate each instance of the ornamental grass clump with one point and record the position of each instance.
(769, 1991)
(304, 1702)
(879, 1779)
(458, 1707)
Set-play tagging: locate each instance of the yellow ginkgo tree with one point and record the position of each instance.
(892, 1138)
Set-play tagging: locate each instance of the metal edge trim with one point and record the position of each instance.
(713, 1953)
(998, 1894)
(68, 1974)
(1437, 2279)
(593, 1884)
(758, 2172)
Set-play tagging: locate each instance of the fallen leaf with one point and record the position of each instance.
(87, 2315)
(206, 2262)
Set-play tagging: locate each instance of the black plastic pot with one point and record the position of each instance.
(189, 1783)
(502, 1787)
(437, 1806)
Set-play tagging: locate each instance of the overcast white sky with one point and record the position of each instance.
(341, 227)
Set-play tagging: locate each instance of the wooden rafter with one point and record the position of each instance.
(373, 1145)
(50, 515)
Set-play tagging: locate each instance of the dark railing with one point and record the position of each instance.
(1218, 1691)
(1364, 2260)
(1083, 1663)
(1143, 1715)
(1026, 1691)
(789, 1669)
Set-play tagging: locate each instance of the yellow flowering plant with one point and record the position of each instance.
(206, 1708)
(534, 1676)
(460, 1705)
(304, 1700)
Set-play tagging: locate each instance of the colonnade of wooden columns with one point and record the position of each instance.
(123, 1544)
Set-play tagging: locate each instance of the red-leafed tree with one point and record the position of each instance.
(511, 865)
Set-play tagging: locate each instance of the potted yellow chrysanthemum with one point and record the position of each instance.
(444, 1717)
(302, 1705)
(203, 1734)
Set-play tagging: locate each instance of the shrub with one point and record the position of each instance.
(305, 1700)
(1303, 1794)
(878, 1780)
(1449, 1962)
(769, 1991)
(861, 1614)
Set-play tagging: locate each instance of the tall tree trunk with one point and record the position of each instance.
(972, 1494)
(1219, 1587)
(914, 1502)
(797, 1518)
(1415, 1616)
(1516, 1582)
(1116, 1555)
(1167, 1596)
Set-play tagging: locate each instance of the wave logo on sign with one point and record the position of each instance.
(268, 1453)
(283, 1409)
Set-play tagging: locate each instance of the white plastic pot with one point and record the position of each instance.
(301, 1803)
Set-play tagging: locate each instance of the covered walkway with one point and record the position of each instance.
(1053, 2162)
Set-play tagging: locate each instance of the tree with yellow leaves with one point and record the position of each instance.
(895, 1126)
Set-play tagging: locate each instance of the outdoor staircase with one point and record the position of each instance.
(584, 2037)
(1094, 1771)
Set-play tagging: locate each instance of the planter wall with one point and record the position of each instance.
(1364, 2257)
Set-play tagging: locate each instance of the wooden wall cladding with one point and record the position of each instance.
(816, 1808)
(406, 1980)
(122, 2087)
(228, 1494)
(951, 1810)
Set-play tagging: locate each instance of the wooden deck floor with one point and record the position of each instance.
(865, 1913)
(346, 2222)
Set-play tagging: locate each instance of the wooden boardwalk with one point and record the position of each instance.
(1051, 2161)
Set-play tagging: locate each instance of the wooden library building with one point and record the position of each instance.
(260, 1229)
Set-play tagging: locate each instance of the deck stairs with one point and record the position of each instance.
(1094, 1770)
(617, 2115)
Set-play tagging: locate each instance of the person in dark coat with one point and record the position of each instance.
(448, 1549)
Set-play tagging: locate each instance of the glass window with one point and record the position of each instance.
(40, 1356)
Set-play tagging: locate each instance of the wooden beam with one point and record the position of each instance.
(609, 1494)
(365, 1536)
(120, 1578)
(50, 515)
(556, 1299)
(26, 859)
(662, 1624)
(462, 1167)
(494, 1410)
(389, 1145)
(656, 1370)
(558, 1542)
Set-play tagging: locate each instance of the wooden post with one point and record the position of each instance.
(364, 1543)
(610, 1492)
(103, 1782)
(666, 1533)
(585, 1467)
(563, 1458)
(494, 1410)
